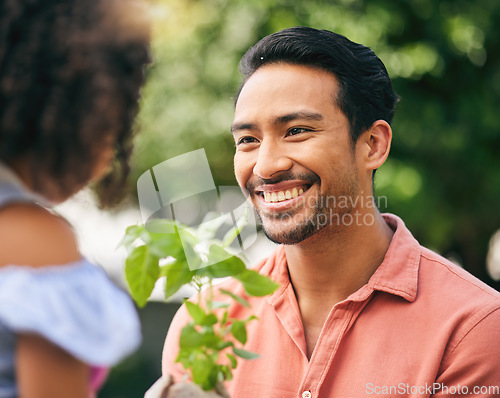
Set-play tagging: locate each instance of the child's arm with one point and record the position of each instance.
(33, 236)
(46, 371)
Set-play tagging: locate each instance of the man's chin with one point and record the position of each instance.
(291, 235)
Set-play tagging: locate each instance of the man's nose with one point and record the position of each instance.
(272, 159)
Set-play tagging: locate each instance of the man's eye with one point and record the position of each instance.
(296, 130)
(246, 140)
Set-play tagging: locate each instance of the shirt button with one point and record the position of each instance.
(306, 394)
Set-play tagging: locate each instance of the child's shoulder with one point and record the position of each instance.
(32, 235)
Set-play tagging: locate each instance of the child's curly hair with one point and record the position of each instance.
(70, 75)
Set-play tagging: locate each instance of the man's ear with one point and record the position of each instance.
(374, 144)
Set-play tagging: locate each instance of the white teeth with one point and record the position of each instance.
(282, 195)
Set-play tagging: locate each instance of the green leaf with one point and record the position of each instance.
(201, 370)
(132, 233)
(189, 243)
(196, 312)
(224, 344)
(178, 274)
(211, 340)
(250, 318)
(188, 236)
(245, 354)
(234, 361)
(190, 337)
(224, 318)
(209, 320)
(239, 299)
(165, 245)
(231, 266)
(256, 284)
(211, 251)
(219, 304)
(184, 357)
(142, 271)
(163, 226)
(239, 331)
(211, 381)
(226, 372)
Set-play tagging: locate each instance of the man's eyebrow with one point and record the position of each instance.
(280, 120)
(298, 115)
(242, 126)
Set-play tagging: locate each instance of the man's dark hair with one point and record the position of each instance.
(365, 89)
(70, 75)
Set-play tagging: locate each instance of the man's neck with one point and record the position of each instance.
(329, 266)
(336, 264)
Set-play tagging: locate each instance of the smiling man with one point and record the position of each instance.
(363, 309)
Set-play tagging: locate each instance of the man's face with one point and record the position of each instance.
(293, 155)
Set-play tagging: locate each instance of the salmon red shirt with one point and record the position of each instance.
(421, 327)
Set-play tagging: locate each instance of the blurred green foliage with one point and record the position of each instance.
(443, 174)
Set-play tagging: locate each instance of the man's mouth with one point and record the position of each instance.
(282, 195)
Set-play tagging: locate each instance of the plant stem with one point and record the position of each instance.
(210, 295)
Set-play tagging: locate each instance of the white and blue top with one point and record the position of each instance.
(75, 306)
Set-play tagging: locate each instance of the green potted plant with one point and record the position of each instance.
(212, 343)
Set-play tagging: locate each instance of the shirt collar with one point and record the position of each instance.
(398, 273)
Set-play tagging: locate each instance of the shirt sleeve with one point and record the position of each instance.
(472, 369)
(75, 306)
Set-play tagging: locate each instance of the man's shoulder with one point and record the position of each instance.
(438, 278)
(457, 307)
(449, 292)
(452, 278)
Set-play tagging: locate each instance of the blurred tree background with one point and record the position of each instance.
(443, 173)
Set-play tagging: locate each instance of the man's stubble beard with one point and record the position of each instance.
(312, 225)
(291, 236)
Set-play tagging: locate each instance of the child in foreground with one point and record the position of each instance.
(70, 75)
